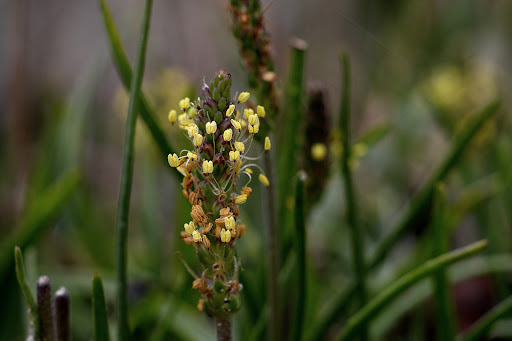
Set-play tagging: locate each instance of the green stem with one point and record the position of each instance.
(273, 296)
(444, 305)
(223, 326)
(398, 286)
(125, 74)
(300, 233)
(126, 179)
(482, 326)
(99, 310)
(356, 240)
(25, 289)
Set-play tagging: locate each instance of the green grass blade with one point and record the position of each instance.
(127, 177)
(356, 240)
(482, 326)
(25, 289)
(421, 203)
(398, 286)
(125, 73)
(38, 217)
(99, 310)
(444, 304)
(300, 234)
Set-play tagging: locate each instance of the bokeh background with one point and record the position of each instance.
(422, 69)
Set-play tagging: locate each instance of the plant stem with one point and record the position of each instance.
(44, 307)
(273, 294)
(99, 310)
(126, 180)
(356, 240)
(25, 289)
(398, 286)
(62, 315)
(223, 326)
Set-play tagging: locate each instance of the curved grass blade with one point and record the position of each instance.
(25, 289)
(99, 310)
(398, 286)
(125, 74)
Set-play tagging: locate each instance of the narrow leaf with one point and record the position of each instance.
(99, 310)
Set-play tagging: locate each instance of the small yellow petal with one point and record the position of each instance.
(197, 236)
(192, 156)
(207, 167)
(261, 111)
(241, 199)
(253, 119)
(172, 116)
(234, 155)
(211, 127)
(243, 97)
(267, 143)
(263, 179)
(173, 160)
(236, 124)
(198, 140)
(240, 146)
(230, 222)
(185, 103)
(228, 134)
(230, 110)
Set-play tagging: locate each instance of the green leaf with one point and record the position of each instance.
(99, 310)
(25, 289)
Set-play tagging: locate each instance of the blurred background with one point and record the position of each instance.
(421, 69)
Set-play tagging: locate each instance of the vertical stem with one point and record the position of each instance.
(25, 288)
(44, 307)
(444, 303)
(126, 180)
(223, 326)
(62, 315)
(356, 240)
(99, 310)
(273, 295)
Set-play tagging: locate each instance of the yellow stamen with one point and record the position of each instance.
(240, 146)
(236, 124)
(173, 160)
(267, 143)
(243, 97)
(229, 222)
(198, 139)
(185, 103)
(197, 236)
(228, 134)
(211, 127)
(234, 155)
(207, 167)
(261, 111)
(172, 116)
(241, 199)
(264, 180)
(192, 156)
(230, 110)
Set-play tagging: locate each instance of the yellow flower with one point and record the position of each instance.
(207, 167)
(197, 236)
(243, 97)
(230, 110)
(263, 179)
(253, 119)
(230, 222)
(190, 227)
(211, 127)
(225, 236)
(192, 156)
(228, 134)
(173, 160)
(185, 103)
(267, 143)
(234, 155)
(192, 130)
(240, 146)
(172, 116)
(261, 111)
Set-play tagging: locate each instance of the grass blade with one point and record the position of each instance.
(482, 326)
(398, 286)
(99, 310)
(444, 304)
(125, 74)
(126, 179)
(356, 240)
(25, 289)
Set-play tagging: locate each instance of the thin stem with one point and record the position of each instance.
(25, 289)
(44, 307)
(273, 295)
(356, 240)
(444, 304)
(99, 310)
(223, 326)
(62, 315)
(126, 180)
(400, 285)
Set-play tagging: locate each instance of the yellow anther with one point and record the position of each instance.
(244, 124)
(172, 116)
(253, 129)
(192, 112)
(211, 127)
(318, 151)
(192, 156)
(267, 143)
(253, 119)
(173, 160)
(190, 227)
(234, 155)
(228, 134)
(207, 167)
(225, 236)
(247, 113)
(241, 199)
(248, 170)
(236, 124)
(230, 110)
(197, 236)
(198, 139)
(243, 97)
(261, 111)
(185, 103)
(240, 146)
(230, 222)
(206, 241)
(192, 130)
(263, 179)
(238, 166)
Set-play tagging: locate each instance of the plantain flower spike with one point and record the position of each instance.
(216, 178)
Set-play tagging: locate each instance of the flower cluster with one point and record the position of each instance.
(216, 173)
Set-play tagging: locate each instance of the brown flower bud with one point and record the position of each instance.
(207, 228)
(185, 193)
(217, 231)
(198, 215)
(206, 241)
